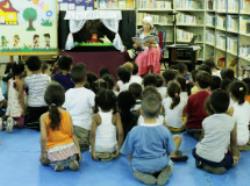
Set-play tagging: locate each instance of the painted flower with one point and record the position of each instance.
(49, 13)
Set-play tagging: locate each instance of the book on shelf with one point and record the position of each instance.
(154, 4)
(210, 37)
(211, 5)
(233, 23)
(245, 24)
(233, 6)
(232, 44)
(210, 21)
(245, 51)
(116, 4)
(184, 36)
(244, 6)
(157, 19)
(189, 4)
(221, 41)
(221, 22)
(188, 19)
(221, 5)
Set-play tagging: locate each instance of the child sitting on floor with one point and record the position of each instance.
(124, 75)
(16, 98)
(80, 101)
(195, 109)
(217, 151)
(106, 129)
(63, 76)
(241, 113)
(149, 144)
(36, 84)
(136, 90)
(58, 147)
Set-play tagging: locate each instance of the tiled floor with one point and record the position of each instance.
(19, 166)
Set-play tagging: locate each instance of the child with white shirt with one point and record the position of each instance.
(106, 129)
(124, 75)
(217, 151)
(79, 102)
(135, 78)
(241, 113)
(35, 84)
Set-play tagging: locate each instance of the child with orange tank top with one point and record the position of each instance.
(58, 147)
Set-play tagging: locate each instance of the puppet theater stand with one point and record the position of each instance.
(96, 59)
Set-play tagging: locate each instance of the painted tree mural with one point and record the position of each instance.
(30, 15)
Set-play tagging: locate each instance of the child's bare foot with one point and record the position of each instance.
(74, 165)
(164, 176)
(147, 179)
(59, 167)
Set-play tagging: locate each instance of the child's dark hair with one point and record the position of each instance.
(109, 80)
(99, 85)
(149, 80)
(106, 100)
(91, 78)
(247, 82)
(218, 102)
(17, 68)
(174, 91)
(54, 97)
(194, 73)
(65, 62)
(182, 68)
(126, 101)
(238, 90)
(206, 68)
(124, 74)
(33, 63)
(159, 81)
(211, 63)
(182, 83)
(135, 69)
(136, 90)
(204, 79)
(151, 103)
(169, 75)
(227, 73)
(215, 82)
(78, 73)
(103, 72)
(225, 83)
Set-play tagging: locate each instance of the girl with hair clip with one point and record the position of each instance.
(58, 147)
(241, 109)
(106, 129)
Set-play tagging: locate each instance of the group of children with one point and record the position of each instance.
(76, 111)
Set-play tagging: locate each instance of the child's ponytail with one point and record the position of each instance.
(238, 90)
(174, 91)
(55, 116)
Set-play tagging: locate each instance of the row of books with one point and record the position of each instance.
(244, 5)
(221, 41)
(232, 44)
(233, 23)
(112, 4)
(184, 36)
(210, 37)
(157, 19)
(188, 19)
(210, 21)
(154, 4)
(221, 22)
(189, 4)
(245, 24)
(233, 6)
(221, 5)
(245, 51)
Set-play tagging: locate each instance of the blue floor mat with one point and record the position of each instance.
(19, 159)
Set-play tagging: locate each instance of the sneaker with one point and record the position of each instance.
(164, 176)
(145, 178)
(74, 165)
(10, 124)
(59, 167)
(214, 170)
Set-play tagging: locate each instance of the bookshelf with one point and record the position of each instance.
(222, 26)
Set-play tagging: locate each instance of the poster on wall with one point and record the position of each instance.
(78, 5)
(28, 27)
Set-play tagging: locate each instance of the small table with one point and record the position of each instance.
(183, 53)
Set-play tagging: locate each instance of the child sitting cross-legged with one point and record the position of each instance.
(217, 151)
(106, 130)
(58, 147)
(150, 143)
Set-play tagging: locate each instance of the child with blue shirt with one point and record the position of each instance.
(150, 143)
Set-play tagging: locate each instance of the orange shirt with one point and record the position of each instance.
(247, 98)
(61, 136)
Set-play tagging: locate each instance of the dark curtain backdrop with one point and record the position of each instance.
(127, 28)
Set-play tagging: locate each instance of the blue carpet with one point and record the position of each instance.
(19, 159)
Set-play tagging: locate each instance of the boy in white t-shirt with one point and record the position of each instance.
(80, 101)
(217, 151)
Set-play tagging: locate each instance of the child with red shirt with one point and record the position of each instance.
(195, 109)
